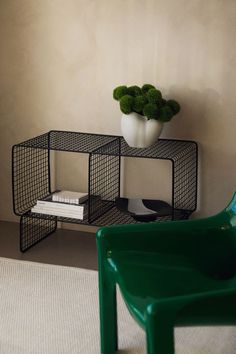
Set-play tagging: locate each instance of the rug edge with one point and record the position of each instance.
(45, 265)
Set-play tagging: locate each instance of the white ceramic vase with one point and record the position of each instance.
(138, 131)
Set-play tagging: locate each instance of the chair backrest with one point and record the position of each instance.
(231, 208)
(209, 243)
(217, 244)
(224, 245)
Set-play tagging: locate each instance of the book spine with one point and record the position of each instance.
(69, 197)
(60, 206)
(65, 200)
(46, 208)
(54, 212)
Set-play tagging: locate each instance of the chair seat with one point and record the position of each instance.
(145, 278)
(173, 273)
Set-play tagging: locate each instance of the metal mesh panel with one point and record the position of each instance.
(40, 142)
(34, 229)
(115, 216)
(104, 178)
(77, 142)
(185, 179)
(30, 177)
(68, 141)
(184, 156)
(163, 149)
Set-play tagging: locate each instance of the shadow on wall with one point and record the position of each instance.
(197, 119)
(200, 120)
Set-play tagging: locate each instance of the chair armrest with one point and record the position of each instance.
(170, 233)
(211, 307)
(170, 237)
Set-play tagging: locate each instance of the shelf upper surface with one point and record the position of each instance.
(88, 143)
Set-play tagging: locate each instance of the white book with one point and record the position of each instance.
(48, 202)
(65, 210)
(69, 197)
(55, 212)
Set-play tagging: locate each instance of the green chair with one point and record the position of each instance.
(177, 273)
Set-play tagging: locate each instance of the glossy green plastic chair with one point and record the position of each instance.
(177, 273)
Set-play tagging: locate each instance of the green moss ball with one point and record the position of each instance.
(119, 92)
(139, 103)
(154, 96)
(166, 114)
(163, 102)
(146, 87)
(151, 111)
(175, 107)
(126, 103)
(134, 91)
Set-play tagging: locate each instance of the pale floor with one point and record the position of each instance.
(64, 247)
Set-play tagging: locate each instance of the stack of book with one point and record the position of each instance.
(62, 203)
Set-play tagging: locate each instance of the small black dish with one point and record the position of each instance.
(144, 209)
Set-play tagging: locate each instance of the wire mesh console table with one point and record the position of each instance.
(31, 179)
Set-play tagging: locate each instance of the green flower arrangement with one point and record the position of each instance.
(147, 101)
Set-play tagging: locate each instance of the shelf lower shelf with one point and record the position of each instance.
(112, 217)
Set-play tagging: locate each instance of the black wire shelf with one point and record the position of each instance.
(31, 178)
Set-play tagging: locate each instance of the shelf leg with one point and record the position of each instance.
(34, 230)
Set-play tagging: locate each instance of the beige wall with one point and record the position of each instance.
(61, 59)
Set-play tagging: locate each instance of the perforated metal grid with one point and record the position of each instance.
(33, 229)
(184, 158)
(77, 142)
(68, 141)
(113, 216)
(104, 179)
(30, 177)
(185, 179)
(40, 141)
(163, 149)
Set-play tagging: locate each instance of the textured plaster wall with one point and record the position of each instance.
(61, 59)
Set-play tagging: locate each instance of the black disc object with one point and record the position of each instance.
(157, 208)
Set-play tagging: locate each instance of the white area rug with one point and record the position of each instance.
(46, 309)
